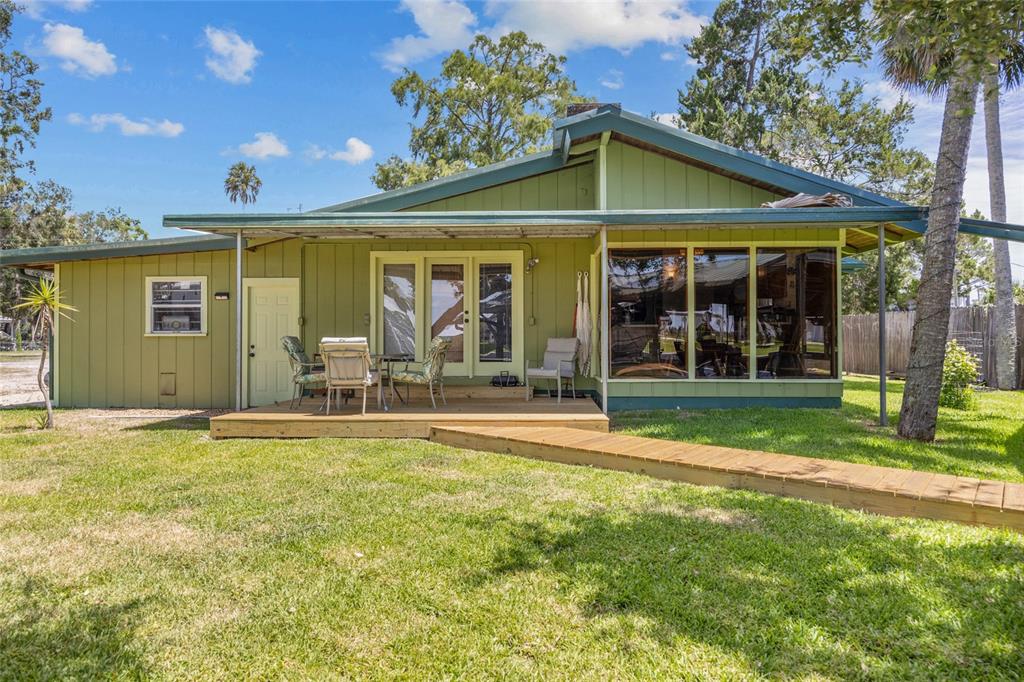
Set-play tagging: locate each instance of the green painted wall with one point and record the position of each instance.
(104, 358)
(569, 189)
(638, 178)
(336, 285)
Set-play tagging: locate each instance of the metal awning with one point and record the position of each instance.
(518, 224)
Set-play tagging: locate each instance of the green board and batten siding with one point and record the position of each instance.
(104, 358)
(569, 189)
(336, 285)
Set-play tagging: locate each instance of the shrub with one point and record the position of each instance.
(959, 371)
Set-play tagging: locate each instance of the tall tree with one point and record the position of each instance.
(242, 183)
(1005, 313)
(753, 91)
(950, 45)
(111, 225)
(21, 109)
(491, 102)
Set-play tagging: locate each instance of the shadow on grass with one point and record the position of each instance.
(197, 421)
(971, 443)
(786, 587)
(91, 641)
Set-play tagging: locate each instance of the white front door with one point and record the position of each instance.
(272, 311)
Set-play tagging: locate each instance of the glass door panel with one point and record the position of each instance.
(449, 312)
(494, 340)
(399, 302)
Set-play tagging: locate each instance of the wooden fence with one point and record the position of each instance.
(972, 327)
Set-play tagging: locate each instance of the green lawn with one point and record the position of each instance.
(987, 443)
(155, 552)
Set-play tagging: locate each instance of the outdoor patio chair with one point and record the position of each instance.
(559, 364)
(347, 363)
(306, 375)
(430, 374)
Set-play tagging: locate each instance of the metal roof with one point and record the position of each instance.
(627, 127)
(515, 224)
(47, 255)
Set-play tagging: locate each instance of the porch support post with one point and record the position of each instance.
(883, 413)
(605, 325)
(238, 320)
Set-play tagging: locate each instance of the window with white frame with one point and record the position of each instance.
(176, 306)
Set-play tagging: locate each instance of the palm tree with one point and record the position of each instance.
(242, 183)
(916, 58)
(1006, 323)
(43, 302)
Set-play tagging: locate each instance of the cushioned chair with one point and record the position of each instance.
(559, 364)
(306, 375)
(430, 374)
(347, 363)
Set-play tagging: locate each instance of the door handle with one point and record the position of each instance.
(252, 350)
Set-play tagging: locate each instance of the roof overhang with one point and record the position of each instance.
(518, 224)
(43, 257)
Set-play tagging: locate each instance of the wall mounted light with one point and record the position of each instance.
(531, 264)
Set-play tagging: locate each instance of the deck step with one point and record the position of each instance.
(411, 420)
(882, 490)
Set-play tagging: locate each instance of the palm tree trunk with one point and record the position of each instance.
(43, 388)
(931, 325)
(1006, 324)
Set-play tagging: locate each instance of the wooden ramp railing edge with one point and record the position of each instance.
(881, 490)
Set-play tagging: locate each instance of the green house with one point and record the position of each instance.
(700, 296)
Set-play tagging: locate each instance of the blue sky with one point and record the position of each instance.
(152, 101)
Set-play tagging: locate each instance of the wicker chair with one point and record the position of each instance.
(431, 373)
(306, 375)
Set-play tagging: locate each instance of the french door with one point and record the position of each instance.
(473, 299)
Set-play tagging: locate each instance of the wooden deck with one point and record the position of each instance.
(407, 421)
(883, 490)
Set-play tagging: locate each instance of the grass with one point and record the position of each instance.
(154, 552)
(986, 443)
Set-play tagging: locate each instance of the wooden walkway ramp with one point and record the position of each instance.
(883, 490)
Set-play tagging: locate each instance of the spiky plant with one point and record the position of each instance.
(44, 305)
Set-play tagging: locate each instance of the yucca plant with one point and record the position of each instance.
(44, 305)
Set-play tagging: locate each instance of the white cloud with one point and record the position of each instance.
(444, 25)
(36, 8)
(619, 24)
(315, 152)
(669, 119)
(232, 57)
(669, 56)
(612, 80)
(562, 26)
(265, 145)
(128, 127)
(355, 152)
(79, 54)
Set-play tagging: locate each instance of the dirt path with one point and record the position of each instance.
(18, 379)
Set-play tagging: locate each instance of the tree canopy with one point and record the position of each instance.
(492, 101)
(755, 88)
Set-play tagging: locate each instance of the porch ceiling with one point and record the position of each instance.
(519, 224)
